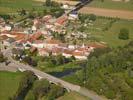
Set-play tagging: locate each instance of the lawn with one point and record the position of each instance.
(9, 82)
(112, 4)
(73, 96)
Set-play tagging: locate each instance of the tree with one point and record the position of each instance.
(98, 52)
(124, 34)
(92, 17)
(41, 88)
(83, 17)
(55, 92)
(24, 85)
(48, 2)
(30, 61)
(60, 59)
(2, 58)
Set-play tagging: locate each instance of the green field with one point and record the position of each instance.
(112, 4)
(111, 36)
(102, 31)
(11, 6)
(73, 96)
(9, 82)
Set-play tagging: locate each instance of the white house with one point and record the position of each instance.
(67, 53)
(79, 55)
(38, 44)
(8, 27)
(50, 43)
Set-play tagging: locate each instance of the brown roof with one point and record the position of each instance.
(57, 50)
(19, 36)
(33, 49)
(46, 18)
(53, 41)
(78, 53)
(67, 51)
(35, 36)
(61, 20)
(97, 45)
(38, 41)
(82, 49)
(44, 50)
(3, 37)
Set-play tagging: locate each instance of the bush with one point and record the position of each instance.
(92, 17)
(110, 94)
(41, 88)
(2, 58)
(55, 92)
(24, 85)
(124, 34)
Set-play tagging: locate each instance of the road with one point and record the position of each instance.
(14, 65)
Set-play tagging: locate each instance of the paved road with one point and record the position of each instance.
(14, 65)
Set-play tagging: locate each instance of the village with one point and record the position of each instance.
(66, 49)
(40, 37)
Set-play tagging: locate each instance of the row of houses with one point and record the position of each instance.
(45, 47)
(41, 28)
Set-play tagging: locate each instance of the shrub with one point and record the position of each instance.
(92, 17)
(2, 58)
(124, 34)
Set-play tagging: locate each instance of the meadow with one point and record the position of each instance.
(73, 96)
(9, 83)
(106, 30)
(11, 6)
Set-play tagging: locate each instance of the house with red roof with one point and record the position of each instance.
(43, 52)
(61, 20)
(46, 18)
(50, 43)
(79, 55)
(67, 53)
(56, 51)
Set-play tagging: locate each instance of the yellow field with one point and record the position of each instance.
(107, 12)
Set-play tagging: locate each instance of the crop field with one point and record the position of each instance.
(109, 4)
(107, 12)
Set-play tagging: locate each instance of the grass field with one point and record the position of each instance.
(73, 96)
(9, 82)
(11, 6)
(70, 2)
(110, 36)
(112, 4)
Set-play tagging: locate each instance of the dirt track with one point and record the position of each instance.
(107, 12)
